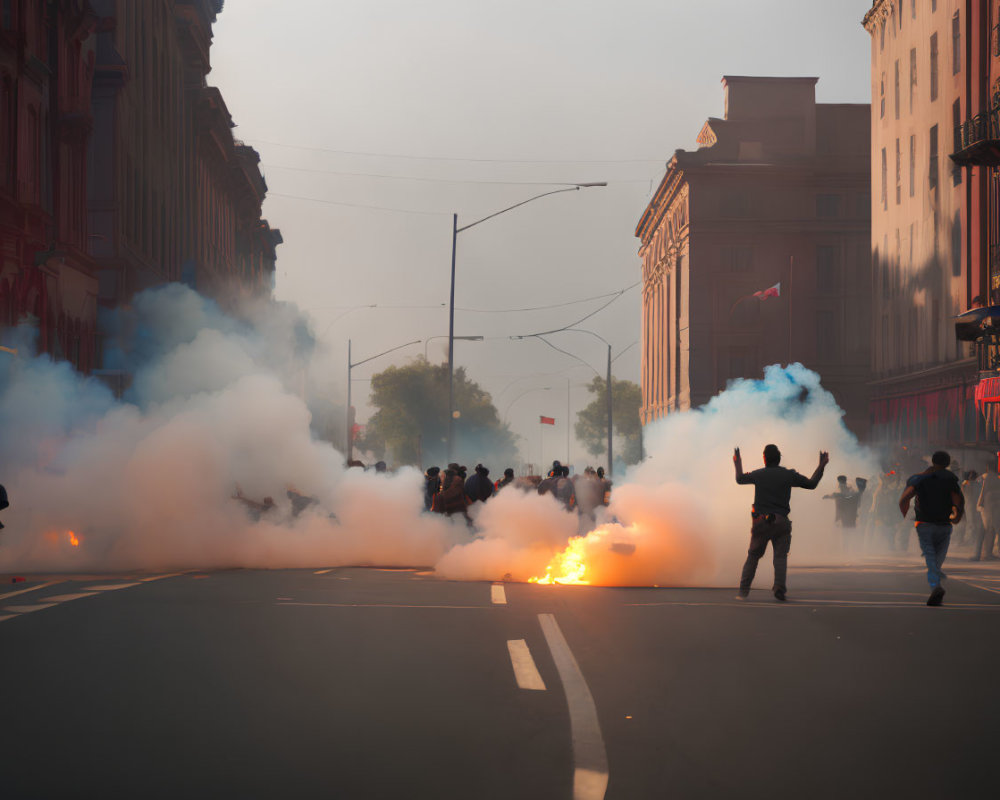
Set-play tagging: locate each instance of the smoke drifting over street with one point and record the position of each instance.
(220, 407)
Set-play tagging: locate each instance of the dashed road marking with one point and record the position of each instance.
(525, 672)
(984, 588)
(323, 571)
(161, 577)
(590, 776)
(66, 598)
(498, 595)
(29, 589)
(379, 605)
(108, 587)
(28, 609)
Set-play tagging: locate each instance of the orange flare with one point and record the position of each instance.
(73, 540)
(567, 567)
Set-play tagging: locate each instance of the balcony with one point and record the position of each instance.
(978, 140)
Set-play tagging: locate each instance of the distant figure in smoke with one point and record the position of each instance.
(605, 485)
(773, 491)
(989, 507)
(432, 485)
(380, 466)
(565, 492)
(3, 502)
(847, 501)
(939, 503)
(451, 499)
(506, 480)
(479, 487)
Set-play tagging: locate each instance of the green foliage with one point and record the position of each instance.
(411, 424)
(592, 422)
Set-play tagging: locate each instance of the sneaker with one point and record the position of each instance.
(936, 595)
(742, 596)
(779, 595)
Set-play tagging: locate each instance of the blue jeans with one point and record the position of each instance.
(934, 540)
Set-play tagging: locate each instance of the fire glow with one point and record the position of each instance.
(73, 540)
(568, 567)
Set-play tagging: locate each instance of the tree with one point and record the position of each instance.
(592, 422)
(411, 424)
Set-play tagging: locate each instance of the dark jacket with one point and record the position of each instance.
(479, 487)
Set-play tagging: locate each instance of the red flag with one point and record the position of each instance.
(547, 420)
(773, 291)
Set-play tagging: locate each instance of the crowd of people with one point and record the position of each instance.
(453, 491)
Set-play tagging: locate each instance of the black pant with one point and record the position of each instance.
(779, 534)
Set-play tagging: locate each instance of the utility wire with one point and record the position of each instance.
(615, 295)
(428, 180)
(471, 160)
(357, 205)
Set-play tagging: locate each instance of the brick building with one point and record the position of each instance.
(47, 275)
(118, 167)
(928, 263)
(977, 152)
(777, 193)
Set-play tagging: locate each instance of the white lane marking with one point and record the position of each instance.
(984, 588)
(376, 605)
(27, 609)
(323, 571)
(29, 589)
(590, 777)
(498, 595)
(108, 587)
(525, 672)
(65, 598)
(161, 577)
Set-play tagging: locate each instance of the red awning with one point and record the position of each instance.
(987, 391)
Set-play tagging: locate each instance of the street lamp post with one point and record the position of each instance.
(351, 365)
(455, 230)
(525, 392)
(445, 336)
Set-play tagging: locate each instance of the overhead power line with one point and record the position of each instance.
(468, 160)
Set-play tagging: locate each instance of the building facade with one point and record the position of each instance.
(118, 167)
(48, 278)
(928, 265)
(977, 152)
(777, 195)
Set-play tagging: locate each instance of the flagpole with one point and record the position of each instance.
(791, 269)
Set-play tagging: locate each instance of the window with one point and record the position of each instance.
(934, 67)
(933, 5)
(896, 98)
(956, 45)
(6, 136)
(826, 269)
(881, 37)
(913, 75)
(899, 174)
(956, 121)
(913, 166)
(736, 258)
(932, 175)
(881, 95)
(825, 336)
(913, 9)
(885, 181)
(827, 205)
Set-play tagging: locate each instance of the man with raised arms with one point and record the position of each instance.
(769, 515)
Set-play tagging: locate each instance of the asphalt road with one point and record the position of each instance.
(363, 683)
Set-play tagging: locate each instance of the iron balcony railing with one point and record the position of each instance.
(983, 127)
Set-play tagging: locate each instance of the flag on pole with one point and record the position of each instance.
(773, 291)
(547, 420)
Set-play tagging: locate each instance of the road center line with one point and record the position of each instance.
(590, 776)
(29, 589)
(161, 577)
(498, 595)
(525, 672)
(109, 587)
(323, 571)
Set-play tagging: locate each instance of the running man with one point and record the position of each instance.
(938, 495)
(770, 523)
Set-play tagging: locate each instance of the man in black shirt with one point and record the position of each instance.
(937, 492)
(772, 493)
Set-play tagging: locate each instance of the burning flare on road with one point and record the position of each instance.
(567, 567)
(73, 539)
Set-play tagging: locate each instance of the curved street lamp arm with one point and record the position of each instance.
(623, 352)
(558, 349)
(575, 188)
(385, 353)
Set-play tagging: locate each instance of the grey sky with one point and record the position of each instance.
(616, 86)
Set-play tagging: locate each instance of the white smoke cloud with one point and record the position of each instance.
(221, 406)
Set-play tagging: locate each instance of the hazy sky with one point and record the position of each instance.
(396, 114)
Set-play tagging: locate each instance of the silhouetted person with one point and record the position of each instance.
(770, 523)
(846, 501)
(506, 480)
(380, 466)
(479, 487)
(937, 494)
(985, 534)
(432, 485)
